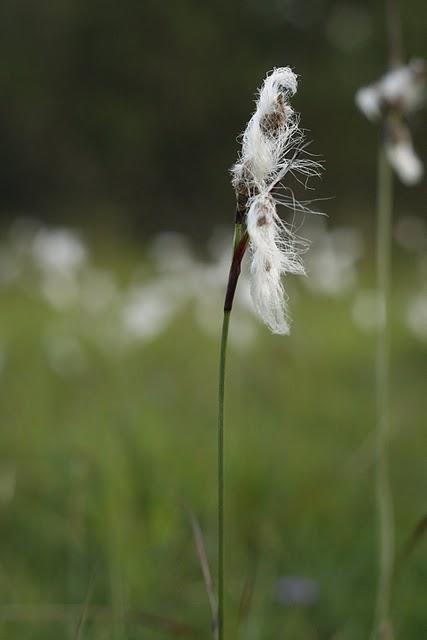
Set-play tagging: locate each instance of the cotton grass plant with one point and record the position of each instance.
(389, 101)
(272, 147)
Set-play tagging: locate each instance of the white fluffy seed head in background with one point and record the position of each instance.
(403, 88)
(393, 97)
(369, 102)
(402, 157)
(270, 146)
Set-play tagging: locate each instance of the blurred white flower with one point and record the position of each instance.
(147, 311)
(368, 101)
(58, 250)
(332, 260)
(183, 283)
(368, 311)
(402, 157)
(61, 257)
(402, 88)
(171, 252)
(395, 96)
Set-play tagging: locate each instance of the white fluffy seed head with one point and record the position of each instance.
(270, 145)
(270, 237)
(268, 296)
(268, 131)
(272, 256)
(266, 265)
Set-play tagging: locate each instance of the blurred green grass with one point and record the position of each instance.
(104, 457)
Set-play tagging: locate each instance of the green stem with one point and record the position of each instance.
(383, 485)
(222, 362)
(239, 247)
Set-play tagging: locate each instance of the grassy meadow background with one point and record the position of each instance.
(118, 125)
(107, 434)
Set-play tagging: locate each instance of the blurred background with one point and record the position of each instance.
(118, 125)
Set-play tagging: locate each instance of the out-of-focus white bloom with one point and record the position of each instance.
(331, 263)
(416, 315)
(402, 88)
(59, 250)
(147, 312)
(271, 143)
(395, 96)
(60, 255)
(368, 101)
(368, 311)
(404, 160)
(405, 86)
(171, 252)
(184, 284)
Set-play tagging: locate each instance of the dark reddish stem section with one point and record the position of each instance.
(235, 270)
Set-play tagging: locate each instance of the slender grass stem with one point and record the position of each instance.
(239, 247)
(384, 496)
(383, 485)
(394, 31)
(222, 363)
